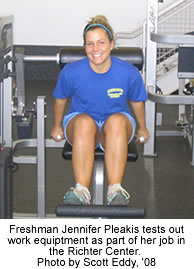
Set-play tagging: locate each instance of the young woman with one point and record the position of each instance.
(100, 86)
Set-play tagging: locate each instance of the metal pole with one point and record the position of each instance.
(1, 116)
(192, 144)
(41, 58)
(98, 182)
(20, 80)
(151, 54)
(6, 110)
(41, 156)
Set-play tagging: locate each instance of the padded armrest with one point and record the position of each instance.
(132, 55)
(132, 152)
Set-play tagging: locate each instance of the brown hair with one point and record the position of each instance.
(99, 21)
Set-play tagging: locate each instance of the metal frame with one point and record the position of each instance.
(20, 82)
(150, 79)
(152, 39)
(41, 156)
(1, 115)
(41, 144)
(39, 159)
(6, 48)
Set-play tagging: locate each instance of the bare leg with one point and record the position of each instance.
(83, 134)
(115, 135)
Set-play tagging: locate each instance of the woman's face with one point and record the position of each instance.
(98, 48)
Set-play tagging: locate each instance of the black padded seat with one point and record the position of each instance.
(132, 55)
(132, 152)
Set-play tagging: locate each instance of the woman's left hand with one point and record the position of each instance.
(142, 135)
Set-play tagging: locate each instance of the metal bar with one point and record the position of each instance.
(1, 115)
(50, 143)
(181, 110)
(7, 110)
(152, 19)
(32, 143)
(170, 133)
(41, 58)
(41, 156)
(172, 39)
(192, 144)
(98, 182)
(19, 69)
(6, 201)
(24, 143)
(22, 159)
(6, 39)
(171, 99)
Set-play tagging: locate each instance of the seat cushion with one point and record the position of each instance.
(132, 152)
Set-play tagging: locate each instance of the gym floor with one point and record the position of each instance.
(163, 185)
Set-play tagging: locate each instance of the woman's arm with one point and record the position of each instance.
(139, 111)
(57, 129)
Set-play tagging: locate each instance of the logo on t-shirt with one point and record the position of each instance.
(115, 92)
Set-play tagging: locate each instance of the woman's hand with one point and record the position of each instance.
(57, 133)
(142, 135)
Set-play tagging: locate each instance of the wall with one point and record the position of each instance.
(43, 26)
(59, 22)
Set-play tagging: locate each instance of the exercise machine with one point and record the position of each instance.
(6, 47)
(185, 72)
(16, 107)
(69, 54)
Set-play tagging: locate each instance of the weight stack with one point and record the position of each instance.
(6, 185)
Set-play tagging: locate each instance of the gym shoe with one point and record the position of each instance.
(79, 195)
(116, 195)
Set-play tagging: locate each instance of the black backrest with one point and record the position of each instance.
(132, 55)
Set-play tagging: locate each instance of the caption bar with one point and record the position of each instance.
(97, 243)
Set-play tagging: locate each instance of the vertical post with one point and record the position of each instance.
(7, 110)
(192, 157)
(1, 116)
(41, 156)
(20, 80)
(149, 167)
(151, 57)
(6, 50)
(181, 110)
(192, 148)
(98, 182)
(6, 195)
